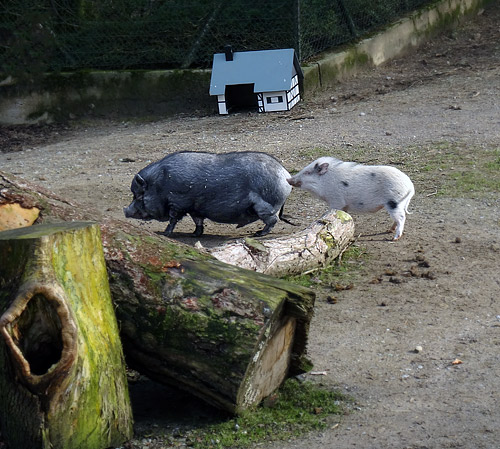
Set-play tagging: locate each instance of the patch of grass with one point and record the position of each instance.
(479, 174)
(344, 152)
(341, 271)
(455, 171)
(297, 408)
(314, 153)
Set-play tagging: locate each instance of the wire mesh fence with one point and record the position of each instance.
(56, 35)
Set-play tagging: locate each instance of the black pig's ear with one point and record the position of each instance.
(140, 180)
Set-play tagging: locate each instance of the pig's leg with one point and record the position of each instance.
(198, 221)
(266, 213)
(170, 228)
(270, 222)
(398, 214)
(173, 219)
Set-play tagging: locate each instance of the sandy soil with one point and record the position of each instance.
(431, 114)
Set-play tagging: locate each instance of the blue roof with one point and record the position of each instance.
(268, 70)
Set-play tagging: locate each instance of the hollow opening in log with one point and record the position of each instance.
(37, 333)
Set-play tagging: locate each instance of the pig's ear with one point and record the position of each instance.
(322, 169)
(140, 180)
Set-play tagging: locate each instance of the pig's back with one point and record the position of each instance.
(223, 186)
(244, 170)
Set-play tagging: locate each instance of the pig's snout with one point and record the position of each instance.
(131, 212)
(126, 212)
(294, 182)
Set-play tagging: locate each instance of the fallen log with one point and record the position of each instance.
(316, 246)
(226, 334)
(63, 383)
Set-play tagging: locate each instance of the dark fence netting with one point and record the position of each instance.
(55, 35)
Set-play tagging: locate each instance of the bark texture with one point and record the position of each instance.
(316, 246)
(226, 334)
(62, 372)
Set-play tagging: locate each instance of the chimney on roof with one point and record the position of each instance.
(228, 50)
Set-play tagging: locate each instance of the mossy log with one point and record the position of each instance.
(316, 246)
(226, 334)
(63, 383)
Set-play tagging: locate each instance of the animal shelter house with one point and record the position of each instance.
(265, 80)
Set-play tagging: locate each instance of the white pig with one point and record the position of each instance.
(358, 188)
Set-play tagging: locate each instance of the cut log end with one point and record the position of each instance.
(13, 216)
(271, 366)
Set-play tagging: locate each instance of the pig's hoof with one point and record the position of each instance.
(167, 232)
(198, 230)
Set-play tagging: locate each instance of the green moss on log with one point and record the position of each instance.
(86, 405)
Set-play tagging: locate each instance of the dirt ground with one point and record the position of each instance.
(433, 114)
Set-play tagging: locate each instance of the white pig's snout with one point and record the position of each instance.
(294, 182)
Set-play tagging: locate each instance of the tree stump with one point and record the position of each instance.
(62, 375)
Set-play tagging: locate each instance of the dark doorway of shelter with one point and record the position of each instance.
(241, 97)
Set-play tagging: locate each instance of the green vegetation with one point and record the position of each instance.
(314, 153)
(297, 408)
(342, 271)
(458, 172)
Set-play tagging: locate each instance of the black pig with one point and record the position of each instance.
(237, 187)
